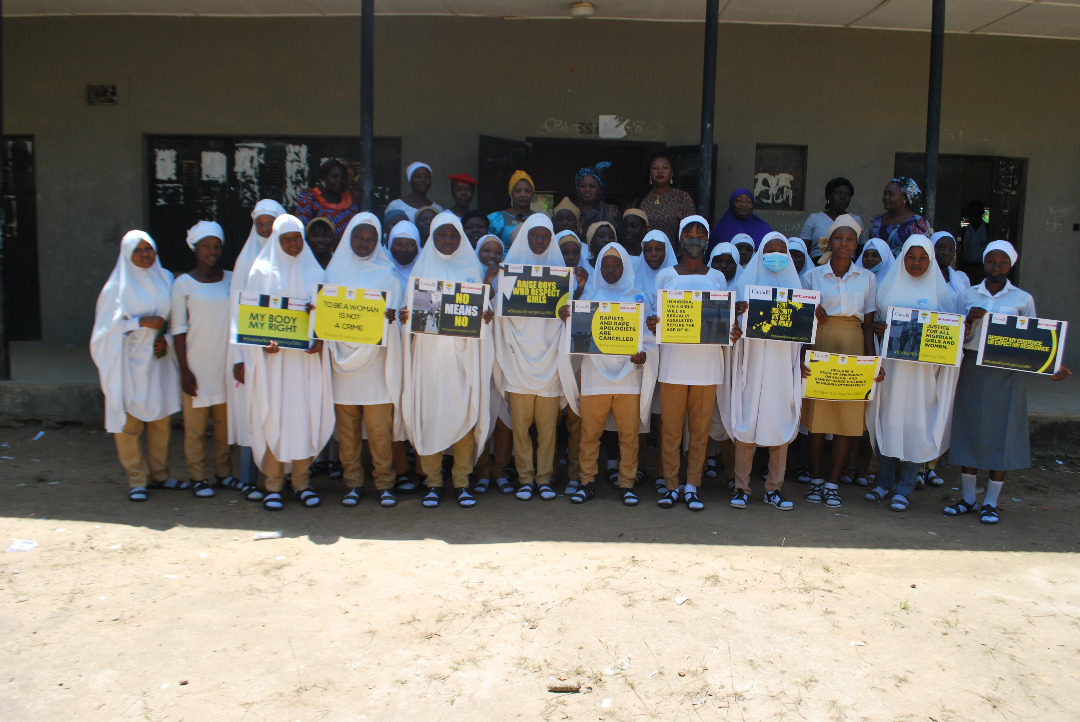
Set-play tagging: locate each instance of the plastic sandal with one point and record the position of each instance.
(546, 492)
(202, 489)
(989, 514)
(387, 498)
(668, 499)
(524, 493)
(876, 495)
(847, 476)
(933, 479)
(308, 498)
(252, 492)
(866, 479)
(802, 475)
(228, 482)
(465, 500)
(613, 476)
(173, 484)
(405, 485)
(739, 499)
(774, 498)
(710, 468)
(816, 493)
(899, 503)
(572, 486)
(351, 498)
(481, 486)
(431, 498)
(920, 480)
(693, 501)
(583, 494)
(505, 487)
(660, 485)
(832, 499)
(335, 470)
(273, 502)
(630, 498)
(962, 507)
(138, 493)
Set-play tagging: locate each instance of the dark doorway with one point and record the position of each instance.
(193, 178)
(22, 295)
(998, 182)
(553, 163)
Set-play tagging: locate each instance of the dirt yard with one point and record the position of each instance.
(171, 610)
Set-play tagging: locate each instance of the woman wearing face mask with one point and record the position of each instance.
(504, 223)
(137, 367)
(419, 177)
(990, 418)
(589, 200)
(688, 375)
(845, 326)
(290, 403)
(765, 396)
(442, 372)
(617, 385)
(910, 415)
(838, 194)
(262, 216)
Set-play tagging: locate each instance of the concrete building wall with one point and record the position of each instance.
(855, 98)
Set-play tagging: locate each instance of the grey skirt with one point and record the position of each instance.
(990, 419)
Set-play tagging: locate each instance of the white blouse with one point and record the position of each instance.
(854, 294)
(1009, 300)
(201, 310)
(594, 383)
(691, 365)
(816, 227)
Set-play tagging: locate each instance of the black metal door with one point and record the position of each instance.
(22, 294)
(686, 160)
(192, 178)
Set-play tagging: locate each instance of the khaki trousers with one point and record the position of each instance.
(379, 421)
(525, 409)
(744, 464)
(573, 442)
(464, 451)
(493, 465)
(694, 404)
(195, 421)
(275, 472)
(130, 451)
(594, 414)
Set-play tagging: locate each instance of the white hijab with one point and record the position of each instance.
(404, 229)
(237, 393)
(586, 254)
(290, 402)
(447, 381)
(729, 249)
(958, 280)
(204, 229)
(764, 401)
(527, 349)
(910, 417)
(645, 277)
(798, 244)
(886, 257)
(132, 379)
(741, 238)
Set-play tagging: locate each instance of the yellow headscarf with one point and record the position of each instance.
(520, 175)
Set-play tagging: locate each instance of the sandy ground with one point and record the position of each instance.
(169, 610)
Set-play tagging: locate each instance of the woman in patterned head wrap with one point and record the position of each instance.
(589, 183)
(900, 199)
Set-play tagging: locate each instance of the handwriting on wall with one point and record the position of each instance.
(607, 127)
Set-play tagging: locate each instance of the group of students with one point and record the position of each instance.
(162, 345)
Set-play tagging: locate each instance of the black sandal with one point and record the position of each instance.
(228, 482)
(202, 489)
(137, 493)
(669, 499)
(308, 498)
(251, 492)
(273, 502)
(988, 514)
(629, 497)
(174, 484)
(962, 507)
(613, 476)
(583, 494)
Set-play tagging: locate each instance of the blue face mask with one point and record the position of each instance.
(776, 261)
(877, 268)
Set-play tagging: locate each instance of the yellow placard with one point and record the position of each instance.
(680, 317)
(835, 377)
(353, 315)
(941, 341)
(616, 329)
(261, 319)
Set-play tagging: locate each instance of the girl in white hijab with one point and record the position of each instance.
(880, 249)
(447, 380)
(744, 242)
(688, 374)
(656, 255)
(945, 252)
(527, 367)
(262, 225)
(765, 398)
(803, 266)
(290, 406)
(910, 416)
(621, 386)
(567, 240)
(200, 310)
(137, 364)
(366, 379)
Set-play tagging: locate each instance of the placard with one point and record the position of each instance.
(258, 319)
(1022, 343)
(781, 314)
(353, 315)
(701, 317)
(836, 377)
(924, 336)
(532, 291)
(600, 327)
(446, 308)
